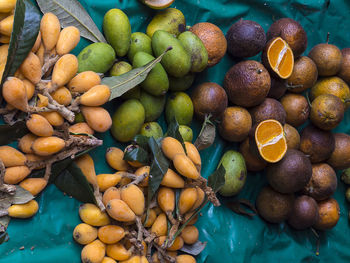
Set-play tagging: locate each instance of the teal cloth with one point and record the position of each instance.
(47, 237)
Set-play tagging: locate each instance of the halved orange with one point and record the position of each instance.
(270, 140)
(157, 4)
(279, 57)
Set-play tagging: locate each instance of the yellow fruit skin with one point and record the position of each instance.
(108, 260)
(193, 154)
(7, 5)
(15, 174)
(141, 171)
(188, 198)
(25, 143)
(67, 40)
(87, 167)
(160, 225)
(173, 180)
(31, 68)
(93, 252)
(11, 156)
(3, 53)
(50, 30)
(134, 259)
(96, 96)
(64, 70)
(84, 234)
(166, 199)
(190, 234)
(40, 53)
(193, 220)
(111, 234)
(24, 210)
(62, 95)
(171, 147)
(97, 118)
(46, 146)
(4, 39)
(114, 157)
(42, 101)
(40, 126)
(106, 181)
(53, 117)
(109, 194)
(81, 127)
(92, 215)
(14, 92)
(185, 259)
(151, 218)
(177, 244)
(30, 88)
(120, 211)
(118, 252)
(84, 81)
(144, 259)
(2, 68)
(155, 258)
(37, 43)
(6, 25)
(134, 198)
(33, 185)
(185, 166)
(200, 198)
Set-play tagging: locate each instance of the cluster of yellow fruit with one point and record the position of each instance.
(127, 229)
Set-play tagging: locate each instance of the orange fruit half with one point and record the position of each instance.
(270, 140)
(280, 57)
(157, 4)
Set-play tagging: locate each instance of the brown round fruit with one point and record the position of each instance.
(213, 39)
(291, 174)
(292, 32)
(292, 136)
(273, 206)
(323, 182)
(344, 72)
(297, 109)
(304, 213)
(329, 214)
(245, 38)
(278, 88)
(268, 109)
(327, 111)
(317, 144)
(247, 83)
(304, 75)
(328, 59)
(209, 98)
(253, 162)
(340, 157)
(235, 124)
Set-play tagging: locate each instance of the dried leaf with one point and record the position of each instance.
(4, 222)
(21, 196)
(238, 207)
(194, 249)
(207, 134)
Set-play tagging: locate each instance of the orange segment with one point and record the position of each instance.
(270, 140)
(280, 57)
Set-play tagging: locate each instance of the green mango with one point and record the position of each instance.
(97, 57)
(152, 129)
(236, 173)
(186, 133)
(195, 47)
(139, 42)
(181, 84)
(157, 82)
(171, 20)
(179, 106)
(177, 62)
(127, 120)
(117, 29)
(153, 105)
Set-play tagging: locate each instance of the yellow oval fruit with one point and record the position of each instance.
(23, 210)
(6, 25)
(111, 193)
(173, 180)
(92, 215)
(14, 92)
(171, 147)
(120, 211)
(87, 167)
(106, 181)
(15, 174)
(134, 259)
(33, 185)
(31, 68)
(64, 70)
(53, 117)
(42, 101)
(193, 154)
(84, 234)
(160, 225)
(96, 96)
(114, 157)
(84, 81)
(177, 244)
(11, 156)
(97, 118)
(142, 170)
(2, 68)
(30, 88)
(193, 220)
(46, 146)
(7, 5)
(3, 53)
(37, 43)
(67, 40)
(41, 53)
(25, 143)
(185, 166)
(93, 252)
(62, 95)
(81, 127)
(200, 198)
(190, 234)
(4, 39)
(40, 126)
(118, 252)
(166, 199)
(108, 260)
(185, 259)
(111, 234)
(188, 198)
(134, 198)
(152, 215)
(50, 30)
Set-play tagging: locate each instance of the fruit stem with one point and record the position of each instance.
(294, 86)
(308, 99)
(327, 40)
(5, 188)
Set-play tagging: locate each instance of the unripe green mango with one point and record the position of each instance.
(177, 62)
(152, 129)
(128, 120)
(179, 106)
(181, 84)
(117, 29)
(97, 57)
(153, 105)
(195, 47)
(139, 42)
(157, 82)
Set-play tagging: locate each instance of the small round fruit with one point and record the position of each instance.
(84, 234)
(292, 136)
(297, 109)
(179, 105)
(115, 158)
(38, 125)
(93, 252)
(185, 166)
(110, 234)
(304, 213)
(340, 157)
(26, 210)
(329, 212)
(97, 118)
(151, 129)
(84, 81)
(171, 147)
(46, 146)
(190, 235)
(344, 72)
(120, 211)
(278, 88)
(268, 109)
(92, 215)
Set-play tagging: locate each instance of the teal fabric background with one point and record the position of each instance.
(47, 237)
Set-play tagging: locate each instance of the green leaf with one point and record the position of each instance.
(73, 182)
(207, 134)
(25, 30)
(72, 13)
(194, 249)
(125, 82)
(173, 131)
(136, 154)
(10, 133)
(217, 179)
(141, 141)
